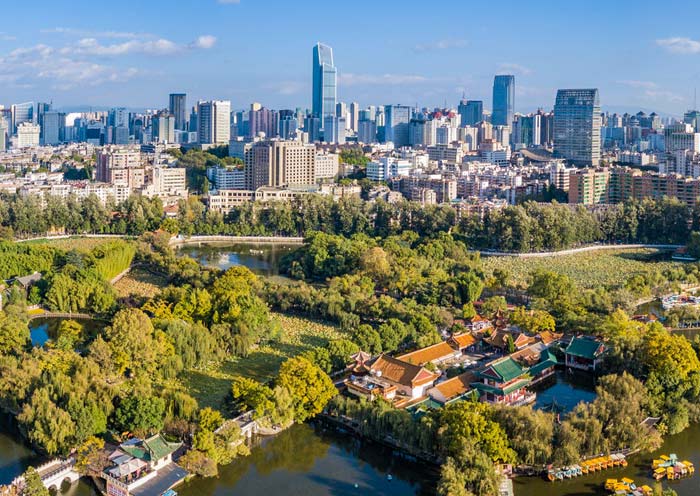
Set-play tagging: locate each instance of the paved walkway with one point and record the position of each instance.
(572, 251)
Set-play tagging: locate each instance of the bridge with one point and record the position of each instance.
(62, 315)
(53, 474)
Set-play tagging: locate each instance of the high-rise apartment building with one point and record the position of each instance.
(27, 135)
(163, 128)
(577, 122)
(354, 116)
(178, 109)
(281, 164)
(214, 122)
(503, 100)
(325, 82)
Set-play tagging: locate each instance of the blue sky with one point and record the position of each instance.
(641, 54)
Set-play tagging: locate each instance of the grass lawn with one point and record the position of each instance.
(211, 387)
(587, 269)
(73, 243)
(140, 282)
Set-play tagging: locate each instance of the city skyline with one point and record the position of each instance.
(77, 58)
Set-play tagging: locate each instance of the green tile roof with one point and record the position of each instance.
(151, 449)
(507, 369)
(584, 348)
(501, 391)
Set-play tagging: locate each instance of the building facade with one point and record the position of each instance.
(577, 122)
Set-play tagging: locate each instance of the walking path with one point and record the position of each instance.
(572, 251)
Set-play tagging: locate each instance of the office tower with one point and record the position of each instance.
(503, 100)
(192, 123)
(341, 109)
(462, 111)
(262, 120)
(366, 131)
(3, 133)
(312, 126)
(692, 117)
(53, 129)
(41, 109)
(577, 122)
(27, 135)
(546, 127)
(354, 116)
(178, 109)
(325, 81)
(21, 112)
(396, 119)
(163, 128)
(471, 113)
(679, 137)
(281, 163)
(334, 130)
(214, 122)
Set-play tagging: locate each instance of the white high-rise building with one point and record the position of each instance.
(214, 122)
(27, 135)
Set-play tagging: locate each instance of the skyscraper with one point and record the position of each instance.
(53, 128)
(22, 112)
(503, 100)
(178, 108)
(354, 116)
(325, 82)
(214, 121)
(396, 119)
(470, 112)
(577, 122)
(163, 128)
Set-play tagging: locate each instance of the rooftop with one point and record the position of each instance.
(400, 372)
(585, 347)
(429, 354)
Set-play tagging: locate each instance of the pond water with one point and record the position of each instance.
(45, 328)
(565, 390)
(262, 259)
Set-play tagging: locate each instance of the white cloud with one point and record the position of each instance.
(286, 87)
(661, 95)
(680, 45)
(633, 83)
(161, 46)
(95, 34)
(516, 69)
(24, 66)
(7, 37)
(439, 45)
(205, 42)
(349, 79)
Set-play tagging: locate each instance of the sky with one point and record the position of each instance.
(641, 54)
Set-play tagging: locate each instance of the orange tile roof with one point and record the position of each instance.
(427, 355)
(548, 337)
(523, 340)
(464, 340)
(400, 372)
(456, 386)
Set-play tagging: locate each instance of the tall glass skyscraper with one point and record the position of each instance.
(577, 122)
(325, 82)
(178, 108)
(503, 100)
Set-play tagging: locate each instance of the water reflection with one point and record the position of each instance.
(262, 259)
(308, 461)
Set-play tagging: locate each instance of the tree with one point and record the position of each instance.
(198, 463)
(14, 334)
(48, 426)
(308, 385)
(533, 321)
(251, 395)
(340, 350)
(491, 306)
(90, 457)
(210, 419)
(33, 486)
(143, 415)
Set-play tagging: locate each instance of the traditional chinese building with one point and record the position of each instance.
(584, 353)
(504, 381)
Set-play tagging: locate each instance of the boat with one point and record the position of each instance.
(587, 467)
(671, 468)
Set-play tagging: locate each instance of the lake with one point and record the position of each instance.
(686, 445)
(44, 328)
(262, 259)
(305, 460)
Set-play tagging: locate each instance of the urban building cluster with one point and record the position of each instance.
(468, 156)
